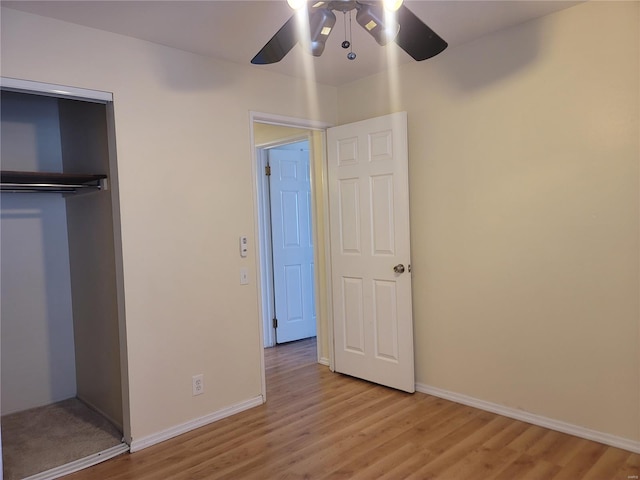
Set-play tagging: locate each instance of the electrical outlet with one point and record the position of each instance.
(198, 384)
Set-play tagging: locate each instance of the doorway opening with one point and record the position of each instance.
(276, 137)
(288, 240)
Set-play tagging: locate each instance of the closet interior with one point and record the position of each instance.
(61, 289)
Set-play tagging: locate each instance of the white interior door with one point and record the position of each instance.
(370, 250)
(292, 242)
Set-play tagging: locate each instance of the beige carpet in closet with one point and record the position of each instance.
(42, 438)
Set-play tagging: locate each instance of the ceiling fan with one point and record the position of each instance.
(385, 20)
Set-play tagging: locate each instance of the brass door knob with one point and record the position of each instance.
(399, 268)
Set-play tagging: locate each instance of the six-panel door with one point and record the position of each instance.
(369, 219)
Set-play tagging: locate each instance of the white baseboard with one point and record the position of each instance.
(80, 464)
(601, 437)
(144, 442)
(324, 361)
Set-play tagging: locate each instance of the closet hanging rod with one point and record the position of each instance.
(51, 182)
(44, 187)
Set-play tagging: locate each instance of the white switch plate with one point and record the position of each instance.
(244, 246)
(244, 276)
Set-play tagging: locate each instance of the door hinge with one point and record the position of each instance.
(275, 322)
(267, 170)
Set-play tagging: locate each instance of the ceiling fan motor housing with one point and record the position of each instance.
(341, 5)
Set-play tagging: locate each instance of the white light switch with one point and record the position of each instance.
(244, 276)
(244, 246)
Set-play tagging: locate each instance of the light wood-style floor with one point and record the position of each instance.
(317, 424)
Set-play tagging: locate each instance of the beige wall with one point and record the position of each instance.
(524, 153)
(184, 165)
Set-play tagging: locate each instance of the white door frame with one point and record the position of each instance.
(262, 274)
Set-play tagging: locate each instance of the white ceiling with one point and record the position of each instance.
(237, 30)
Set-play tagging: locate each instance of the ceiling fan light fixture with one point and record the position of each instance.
(373, 20)
(392, 5)
(296, 4)
(321, 22)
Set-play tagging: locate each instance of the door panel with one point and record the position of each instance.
(382, 212)
(293, 293)
(290, 213)
(385, 319)
(353, 325)
(369, 220)
(292, 244)
(349, 195)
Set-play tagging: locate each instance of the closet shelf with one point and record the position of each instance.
(31, 182)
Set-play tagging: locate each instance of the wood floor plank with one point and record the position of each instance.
(321, 425)
(482, 463)
(613, 459)
(394, 453)
(527, 439)
(582, 461)
(631, 468)
(556, 447)
(526, 467)
(512, 431)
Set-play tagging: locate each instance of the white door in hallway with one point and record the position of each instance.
(370, 250)
(292, 242)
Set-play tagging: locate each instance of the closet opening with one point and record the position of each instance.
(62, 330)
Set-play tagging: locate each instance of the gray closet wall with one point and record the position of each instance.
(36, 322)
